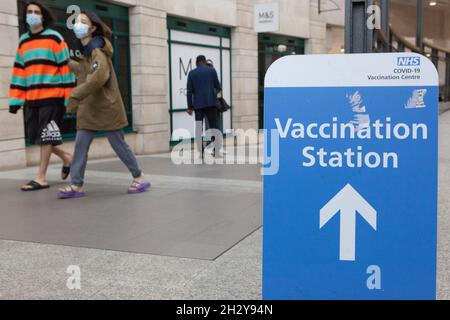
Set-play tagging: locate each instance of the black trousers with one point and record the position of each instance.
(211, 114)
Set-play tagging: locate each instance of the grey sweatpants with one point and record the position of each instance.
(116, 140)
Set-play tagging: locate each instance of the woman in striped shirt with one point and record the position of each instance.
(42, 83)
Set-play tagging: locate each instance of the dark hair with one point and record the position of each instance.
(102, 29)
(200, 60)
(48, 18)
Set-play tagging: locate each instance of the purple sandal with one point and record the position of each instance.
(138, 187)
(72, 194)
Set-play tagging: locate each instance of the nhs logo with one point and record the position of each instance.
(408, 61)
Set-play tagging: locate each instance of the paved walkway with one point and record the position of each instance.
(39, 271)
(193, 211)
(443, 282)
(444, 107)
(191, 249)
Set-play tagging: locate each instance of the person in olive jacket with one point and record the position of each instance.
(98, 104)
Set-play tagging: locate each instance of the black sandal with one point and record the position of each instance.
(65, 172)
(35, 186)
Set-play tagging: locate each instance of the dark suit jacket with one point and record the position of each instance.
(203, 84)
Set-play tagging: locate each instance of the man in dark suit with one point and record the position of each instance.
(202, 87)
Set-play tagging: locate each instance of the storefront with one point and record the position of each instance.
(116, 17)
(156, 44)
(188, 39)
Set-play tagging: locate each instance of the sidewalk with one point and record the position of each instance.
(195, 235)
(443, 282)
(193, 211)
(218, 260)
(444, 107)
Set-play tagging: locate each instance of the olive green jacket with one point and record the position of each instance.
(96, 100)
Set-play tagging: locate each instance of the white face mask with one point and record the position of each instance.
(34, 20)
(81, 30)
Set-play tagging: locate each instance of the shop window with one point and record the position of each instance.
(187, 40)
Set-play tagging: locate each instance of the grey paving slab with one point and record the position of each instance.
(161, 221)
(443, 265)
(123, 179)
(236, 274)
(36, 271)
(119, 275)
(222, 232)
(32, 271)
(444, 107)
(163, 166)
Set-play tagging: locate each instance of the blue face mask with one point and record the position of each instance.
(81, 30)
(34, 20)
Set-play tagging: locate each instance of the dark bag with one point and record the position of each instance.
(222, 105)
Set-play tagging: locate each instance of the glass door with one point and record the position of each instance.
(270, 49)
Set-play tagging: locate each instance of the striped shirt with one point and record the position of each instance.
(41, 74)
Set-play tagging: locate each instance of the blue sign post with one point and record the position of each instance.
(350, 211)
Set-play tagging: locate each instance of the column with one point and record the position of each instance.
(245, 68)
(316, 43)
(149, 59)
(12, 140)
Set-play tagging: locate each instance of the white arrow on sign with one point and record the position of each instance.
(348, 202)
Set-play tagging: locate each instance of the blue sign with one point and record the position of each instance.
(350, 186)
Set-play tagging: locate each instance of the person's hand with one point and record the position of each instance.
(190, 112)
(72, 105)
(14, 109)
